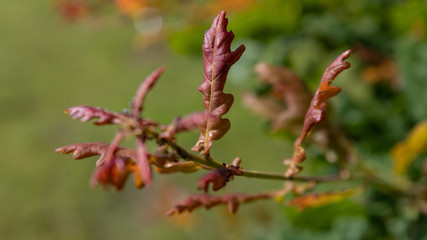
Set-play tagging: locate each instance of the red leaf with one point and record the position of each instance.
(186, 123)
(316, 112)
(217, 61)
(218, 178)
(232, 201)
(142, 91)
(86, 113)
(113, 172)
(142, 161)
(85, 150)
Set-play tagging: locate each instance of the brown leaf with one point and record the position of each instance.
(142, 91)
(218, 178)
(217, 61)
(86, 113)
(316, 112)
(232, 201)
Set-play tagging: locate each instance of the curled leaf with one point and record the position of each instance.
(321, 199)
(217, 61)
(86, 113)
(403, 153)
(316, 112)
(218, 178)
(232, 201)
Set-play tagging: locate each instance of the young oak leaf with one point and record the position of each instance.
(181, 124)
(232, 201)
(218, 178)
(316, 112)
(85, 150)
(86, 113)
(115, 173)
(403, 153)
(217, 61)
(321, 199)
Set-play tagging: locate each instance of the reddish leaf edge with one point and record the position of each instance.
(316, 113)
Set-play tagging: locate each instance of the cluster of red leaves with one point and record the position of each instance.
(116, 163)
(232, 201)
(113, 167)
(217, 61)
(316, 112)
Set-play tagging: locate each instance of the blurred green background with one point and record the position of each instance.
(48, 64)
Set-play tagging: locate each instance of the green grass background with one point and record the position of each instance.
(47, 66)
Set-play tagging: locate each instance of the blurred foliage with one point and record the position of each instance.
(47, 66)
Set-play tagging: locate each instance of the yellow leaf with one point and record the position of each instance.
(184, 167)
(321, 199)
(403, 153)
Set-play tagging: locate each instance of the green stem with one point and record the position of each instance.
(209, 162)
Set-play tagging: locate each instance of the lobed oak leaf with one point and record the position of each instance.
(321, 199)
(218, 178)
(217, 61)
(232, 201)
(115, 173)
(86, 113)
(85, 150)
(403, 153)
(316, 112)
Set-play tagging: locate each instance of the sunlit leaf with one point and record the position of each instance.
(217, 61)
(316, 112)
(86, 113)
